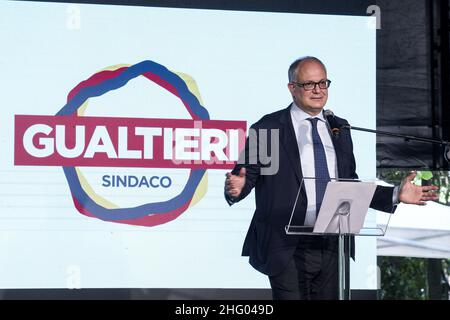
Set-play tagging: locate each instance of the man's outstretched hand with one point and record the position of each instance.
(412, 194)
(235, 183)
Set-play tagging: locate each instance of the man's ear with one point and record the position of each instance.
(291, 88)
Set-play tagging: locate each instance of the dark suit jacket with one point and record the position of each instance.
(266, 243)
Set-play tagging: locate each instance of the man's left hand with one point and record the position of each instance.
(412, 194)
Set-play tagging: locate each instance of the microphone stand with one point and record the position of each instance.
(443, 143)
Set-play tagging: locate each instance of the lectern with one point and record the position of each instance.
(343, 214)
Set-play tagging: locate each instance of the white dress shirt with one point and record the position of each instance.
(302, 128)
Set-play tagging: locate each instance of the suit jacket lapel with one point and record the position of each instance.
(289, 142)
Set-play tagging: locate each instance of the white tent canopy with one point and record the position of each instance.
(417, 231)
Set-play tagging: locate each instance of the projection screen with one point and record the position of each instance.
(91, 193)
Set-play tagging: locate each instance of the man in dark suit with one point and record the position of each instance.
(302, 267)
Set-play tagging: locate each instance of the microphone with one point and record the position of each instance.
(334, 127)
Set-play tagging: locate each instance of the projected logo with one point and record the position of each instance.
(78, 142)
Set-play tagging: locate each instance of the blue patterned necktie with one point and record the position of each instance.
(320, 164)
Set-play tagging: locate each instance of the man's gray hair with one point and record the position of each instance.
(295, 64)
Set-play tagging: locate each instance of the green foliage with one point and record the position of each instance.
(424, 175)
(403, 278)
(446, 271)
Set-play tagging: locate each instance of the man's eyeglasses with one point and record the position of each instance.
(311, 85)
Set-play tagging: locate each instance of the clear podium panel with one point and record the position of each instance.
(344, 210)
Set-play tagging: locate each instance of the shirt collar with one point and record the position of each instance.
(301, 115)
